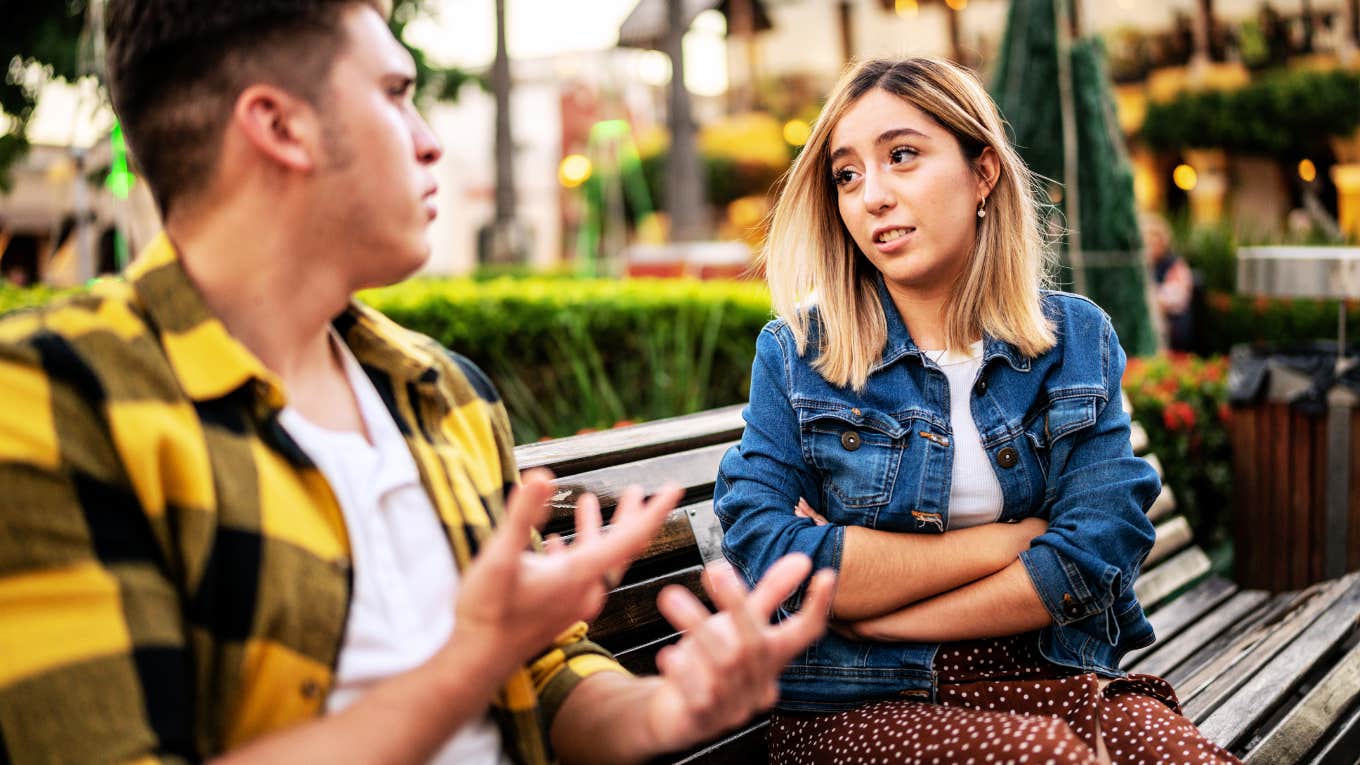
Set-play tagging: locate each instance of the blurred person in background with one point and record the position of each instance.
(1173, 284)
(247, 519)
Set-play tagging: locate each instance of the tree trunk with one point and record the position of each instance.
(684, 190)
(845, 16)
(505, 148)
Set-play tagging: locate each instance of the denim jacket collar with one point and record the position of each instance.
(900, 344)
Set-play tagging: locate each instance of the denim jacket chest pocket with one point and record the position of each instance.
(1056, 428)
(858, 452)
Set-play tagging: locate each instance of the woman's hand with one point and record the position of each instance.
(804, 510)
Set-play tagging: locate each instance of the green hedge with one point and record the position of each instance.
(578, 354)
(1233, 319)
(1286, 114)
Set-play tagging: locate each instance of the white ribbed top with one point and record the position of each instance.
(975, 496)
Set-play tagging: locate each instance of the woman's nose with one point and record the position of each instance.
(877, 196)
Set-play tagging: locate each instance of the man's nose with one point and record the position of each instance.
(428, 150)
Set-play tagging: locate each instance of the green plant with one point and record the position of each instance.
(1210, 249)
(1182, 403)
(14, 298)
(1287, 114)
(1231, 319)
(573, 354)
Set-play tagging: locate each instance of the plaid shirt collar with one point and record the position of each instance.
(210, 363)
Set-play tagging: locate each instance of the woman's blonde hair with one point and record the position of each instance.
(809, 255)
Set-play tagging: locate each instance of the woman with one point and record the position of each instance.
(927, 421)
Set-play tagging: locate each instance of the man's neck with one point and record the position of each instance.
(264, 283)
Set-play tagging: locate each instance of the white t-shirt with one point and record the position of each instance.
(405, 580)
(974, 495)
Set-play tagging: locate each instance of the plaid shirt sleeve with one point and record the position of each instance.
(92, 649)
(551, 675)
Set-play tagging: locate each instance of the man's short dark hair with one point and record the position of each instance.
(176, 68)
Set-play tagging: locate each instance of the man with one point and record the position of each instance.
(243, 517)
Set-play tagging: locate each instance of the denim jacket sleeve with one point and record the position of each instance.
(761, 478)
(1098, 533)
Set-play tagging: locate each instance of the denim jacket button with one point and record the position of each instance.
(850, 440)
(1007, 457)
(1072, 609)
(980, 388)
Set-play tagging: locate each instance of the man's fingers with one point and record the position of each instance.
(681, 608)
(633, 527)
(779, 582)
(809, 623)
(587, 517)
(724, 586)
(529, 500)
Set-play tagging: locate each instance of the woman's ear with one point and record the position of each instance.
(987, 167)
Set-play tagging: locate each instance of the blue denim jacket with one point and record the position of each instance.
(1059, 444)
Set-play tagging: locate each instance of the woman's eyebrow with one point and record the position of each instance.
(886, 136)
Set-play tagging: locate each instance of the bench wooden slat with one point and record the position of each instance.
(745, 746)
(1152, 587)
(1240, 609)
(578, 454)
(1138, 438)
(1170, 620)
(1172, 536)
(1155, 463)
(1208, 688)
(1308, 723)
(641, 659)
(1260, 694)
(1163, 505)
(1341, 748)
(695, 470)
(1267, 611)
(631, 608)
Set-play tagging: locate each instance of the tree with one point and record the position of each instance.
(43, 41)
(1083, 151)
(39, 42)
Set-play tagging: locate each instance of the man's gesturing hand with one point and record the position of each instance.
(726, 668)
(514, 601)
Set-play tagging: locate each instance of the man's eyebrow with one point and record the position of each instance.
(884, 137)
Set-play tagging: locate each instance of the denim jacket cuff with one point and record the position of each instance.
(825, 554)
(1063, 589)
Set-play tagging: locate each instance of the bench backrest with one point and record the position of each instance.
(687, 450)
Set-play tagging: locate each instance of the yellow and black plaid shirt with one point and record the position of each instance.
(174, 571)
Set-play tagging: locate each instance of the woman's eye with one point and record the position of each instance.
(901, 154)
(842, 177)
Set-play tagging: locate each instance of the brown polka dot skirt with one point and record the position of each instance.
(1000, 701)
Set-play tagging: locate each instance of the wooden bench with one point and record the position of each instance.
(1274, 678)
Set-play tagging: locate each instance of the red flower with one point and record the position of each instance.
(1178, 415)
(1224, 414)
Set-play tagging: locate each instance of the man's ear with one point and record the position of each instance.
(280, 126)
(988, 169)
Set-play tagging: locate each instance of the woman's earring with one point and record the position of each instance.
(982, 208)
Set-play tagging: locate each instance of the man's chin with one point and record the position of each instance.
(399, 269)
